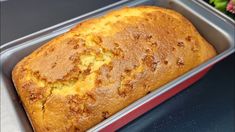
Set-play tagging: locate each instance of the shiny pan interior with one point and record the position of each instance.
(213, 26)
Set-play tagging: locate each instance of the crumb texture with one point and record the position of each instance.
(104, 64)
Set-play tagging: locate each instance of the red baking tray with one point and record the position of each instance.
(212, 25)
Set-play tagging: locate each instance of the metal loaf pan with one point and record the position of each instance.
(213, 26)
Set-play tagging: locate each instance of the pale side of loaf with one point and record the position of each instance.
(104, 64)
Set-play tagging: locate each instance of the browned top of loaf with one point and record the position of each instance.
(103, 64)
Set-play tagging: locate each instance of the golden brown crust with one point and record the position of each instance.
(102, 65)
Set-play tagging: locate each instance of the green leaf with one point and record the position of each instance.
(220, 4)
(211, 1)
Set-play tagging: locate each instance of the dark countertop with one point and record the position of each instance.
(208, 105)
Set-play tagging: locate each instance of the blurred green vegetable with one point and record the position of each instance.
(226, 6)
(219, 4)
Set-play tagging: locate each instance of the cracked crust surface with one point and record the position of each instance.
(104, 64)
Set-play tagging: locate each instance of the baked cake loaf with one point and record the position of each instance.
(104, 64)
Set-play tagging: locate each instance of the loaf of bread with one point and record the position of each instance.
(104, 64)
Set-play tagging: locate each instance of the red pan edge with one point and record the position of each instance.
(154, 102)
